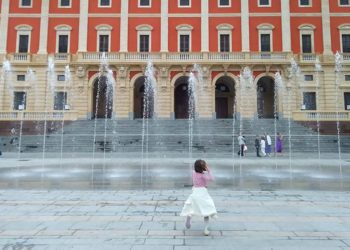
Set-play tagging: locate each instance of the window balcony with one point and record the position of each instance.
(20, 57)
(321, 116)
(346, 57)
(308, 57)
(62, 57)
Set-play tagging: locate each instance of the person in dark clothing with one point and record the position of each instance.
(257, 145)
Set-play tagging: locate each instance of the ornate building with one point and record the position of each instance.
(222, 36)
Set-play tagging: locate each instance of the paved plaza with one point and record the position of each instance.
(136, 219)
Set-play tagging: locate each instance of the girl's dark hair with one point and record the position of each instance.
(199, 166)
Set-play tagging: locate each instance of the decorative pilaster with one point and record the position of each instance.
(83, 25)
(245, 26)
(4, 19)
(164, 26)
(205, 26)
(286, 36)
(124, 22)
(326, 28)
(44, 27)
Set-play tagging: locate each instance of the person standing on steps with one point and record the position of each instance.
(241, 142)
(279, 143)
(262, 146)
(257, 145)
(268, 144)
(200, 203)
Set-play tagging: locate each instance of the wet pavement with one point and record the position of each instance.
(118, 172)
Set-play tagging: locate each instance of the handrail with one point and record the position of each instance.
(321, 115)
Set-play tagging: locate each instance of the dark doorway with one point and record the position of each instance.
(266, 97)
(181, 98)
(139, 100)
(102, 99)
(224, 98)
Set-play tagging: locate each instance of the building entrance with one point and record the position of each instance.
(224, 97)
(266, 97)
(181, 98)
(102, 99)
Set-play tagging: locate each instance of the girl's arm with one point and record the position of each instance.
(207, 175)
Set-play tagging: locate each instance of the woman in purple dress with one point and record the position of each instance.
(279, 144)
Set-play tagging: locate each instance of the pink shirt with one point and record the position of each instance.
(201, 179)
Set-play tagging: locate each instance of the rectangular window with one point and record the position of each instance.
(346, 43)
(224, 43)
(264, 2)
(344, 2)
(224, 3)
(63, 44)
(304, 3)
(61, 78)
(21, 78)
(23, 45)
(144, 43)
(184, 43)
(19, 100)
(64, 3)
(309, 100)
(104, 43)
(105, 3)
(308, 78)
(347, 100)
(26, 3)
(347, 77)
(265, 42)
(145, 3)
(60, 100)
(184, 3)
(306, 43)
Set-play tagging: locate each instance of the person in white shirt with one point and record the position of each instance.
(262, 146)
(268, 144)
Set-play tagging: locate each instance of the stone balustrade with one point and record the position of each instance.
(321, 115)
(38, 116)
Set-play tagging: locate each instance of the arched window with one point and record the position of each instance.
(307, 38)
(144, 32)
(23, 38)
(224, 37)
(344, 31)
(184, 37)
(265, 37)
(103, 37)
(63, 38)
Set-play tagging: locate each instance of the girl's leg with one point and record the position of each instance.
(188, 222)
(206, 228)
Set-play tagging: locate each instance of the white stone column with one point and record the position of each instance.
(4, 19)
(245, 25)
(164, 26)
(44, 27)
(205, 26)
(83, 25)
(124, 22)
(326, 22)
(286, 36)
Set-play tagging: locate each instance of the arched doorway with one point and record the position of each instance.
(181, 98)
(139, 90)
(266, 97)
(102, 99)
(224, 97)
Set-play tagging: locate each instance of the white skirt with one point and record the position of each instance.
(199, 203)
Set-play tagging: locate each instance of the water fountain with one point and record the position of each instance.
(338, 67)
(7, 77)
(277, 85)
(50, 88)
(318, 69)
(149, 112)
(67, 78)
(295, 75)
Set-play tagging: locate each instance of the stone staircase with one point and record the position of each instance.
(209, 136)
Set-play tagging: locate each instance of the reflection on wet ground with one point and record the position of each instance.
(164, 173)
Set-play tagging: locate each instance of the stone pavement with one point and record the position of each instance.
(136, 219)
